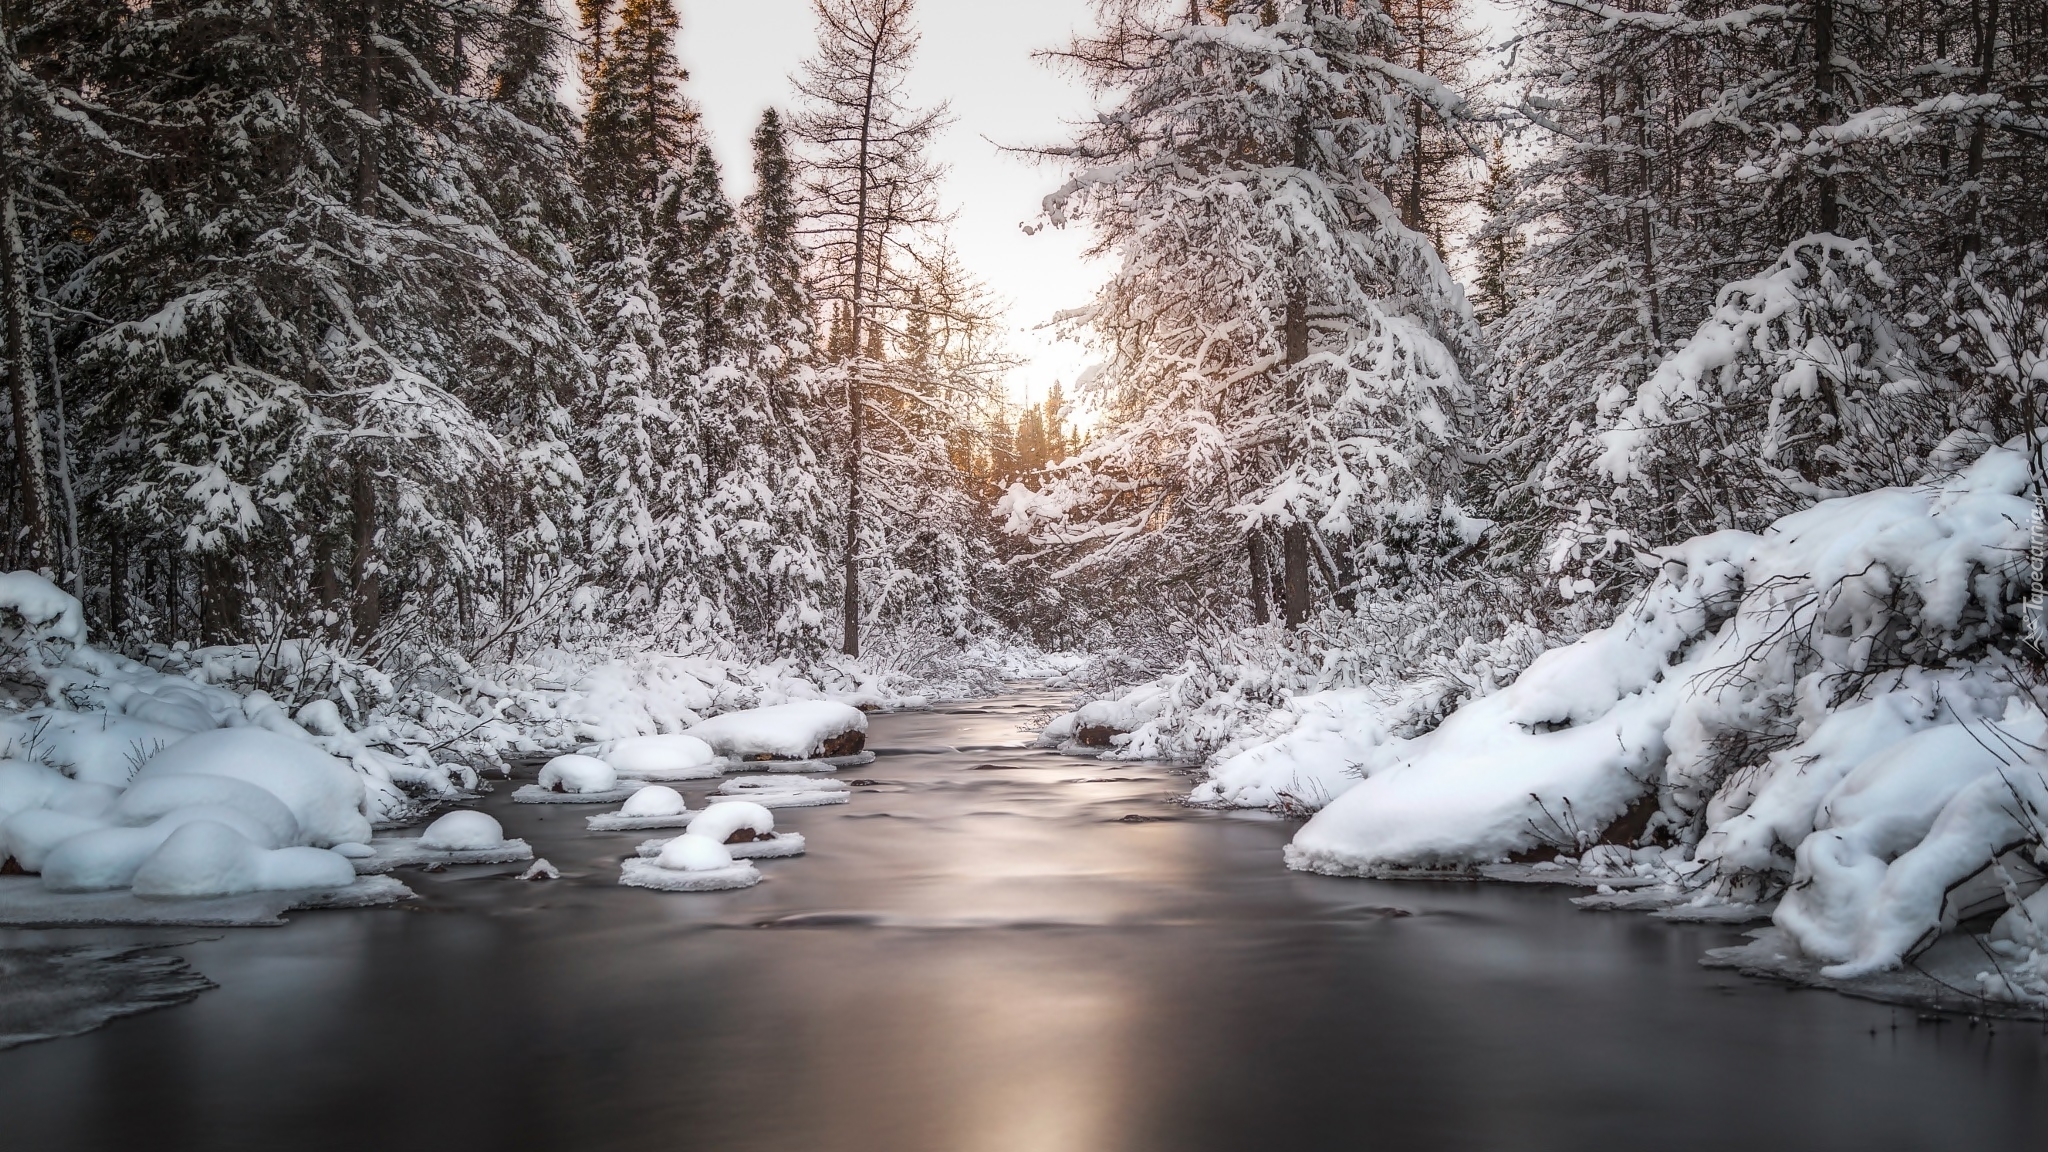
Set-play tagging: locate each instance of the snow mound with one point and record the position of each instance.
(637, 873)
(158, 796)
(778, 799)
(578, 774)
(672, 756)
(108, 858)
(654, 800)
(463, 831)
(757, 785)
(688, 853)
(35, 612)
(28, 836)
(1739, 633)
(653, 806)
(205, 859)
(323, 793)
(721, 822)
(689, 864)
(773, 846)
(797, 731)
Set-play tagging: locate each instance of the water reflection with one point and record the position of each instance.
(994, 961)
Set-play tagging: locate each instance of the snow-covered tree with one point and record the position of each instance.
(1742, 219)
(872, 185)
(641, 450)
(1285, 397)
(335, 370)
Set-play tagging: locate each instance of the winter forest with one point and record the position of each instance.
(1583, 442)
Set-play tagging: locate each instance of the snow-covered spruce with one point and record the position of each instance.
(653, 806)
(1286, 387)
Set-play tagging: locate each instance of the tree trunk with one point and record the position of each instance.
(1294, 578)
(1824, 92)
(363, 572)
(1262, 579)
(1294, 582)
(171, 597)
(32, 487)
(1987, 61)
(117, 585)
(220, 600)
(850, 606)
(77, 558)
(368, 176)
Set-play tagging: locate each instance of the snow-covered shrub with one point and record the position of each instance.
(1831, 710)
(1408, 660)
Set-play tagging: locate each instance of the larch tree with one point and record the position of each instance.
(871, 183)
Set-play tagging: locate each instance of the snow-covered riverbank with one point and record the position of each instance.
(1825, 723)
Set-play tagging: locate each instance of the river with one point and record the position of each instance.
(996, 949)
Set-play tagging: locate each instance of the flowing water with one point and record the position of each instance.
(993, 949)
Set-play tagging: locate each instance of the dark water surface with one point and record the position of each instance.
(981, 953)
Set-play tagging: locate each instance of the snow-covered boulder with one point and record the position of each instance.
(205, 859)
(806, 729)
(653, 806)
(670, 756)
(574, 779)
(747, 830)
(462, 831)
(324, 794)
(689, 864)
(578, 774)
(463, 836)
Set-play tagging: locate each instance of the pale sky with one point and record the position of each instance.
(976, 54)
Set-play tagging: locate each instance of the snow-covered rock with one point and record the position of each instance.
(670, 756)
(463, 830)
(323, 793)
(689, 864)
(581, 774)
(653, 806)
(801, 730)
(746, 830)
(204, 859)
